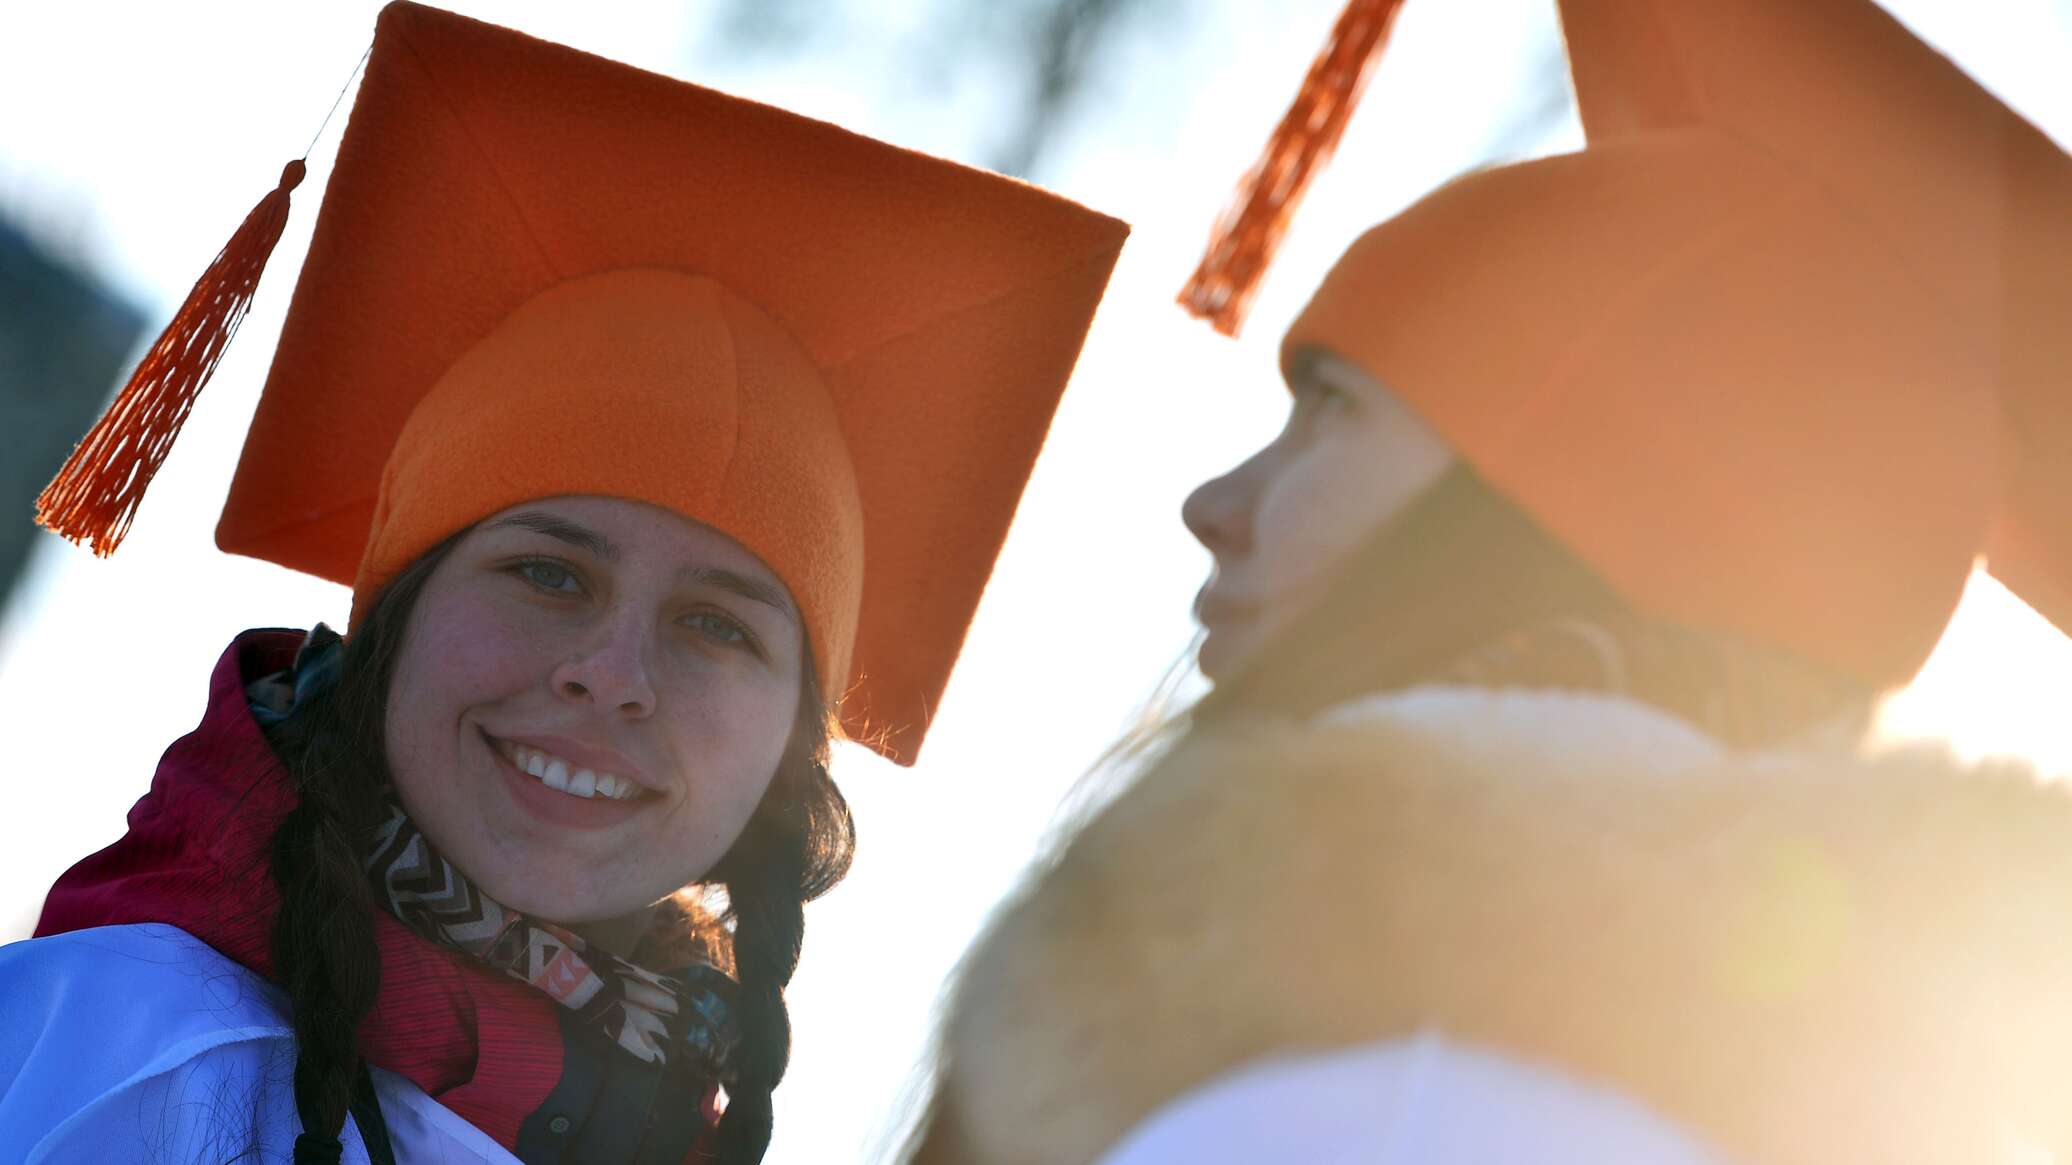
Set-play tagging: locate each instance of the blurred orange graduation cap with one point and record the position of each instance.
(538, 272)
(1782, 351)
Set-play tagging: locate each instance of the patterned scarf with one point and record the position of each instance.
(651, 1016)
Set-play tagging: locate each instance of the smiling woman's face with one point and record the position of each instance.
(647, 668)
(1280, 526)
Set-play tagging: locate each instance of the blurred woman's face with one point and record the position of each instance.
(1279, 526)
(591, 698)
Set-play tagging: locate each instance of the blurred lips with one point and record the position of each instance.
(1225, 624)
(1212, 610)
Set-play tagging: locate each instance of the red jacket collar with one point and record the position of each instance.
(488, 1047)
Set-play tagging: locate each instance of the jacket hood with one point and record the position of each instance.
(195, 856)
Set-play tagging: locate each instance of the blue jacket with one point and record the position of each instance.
(142, 1044)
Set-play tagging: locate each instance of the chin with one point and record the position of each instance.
(562, 908)
(1219, 656)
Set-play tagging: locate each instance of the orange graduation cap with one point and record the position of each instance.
(1754, 352)
(539, 272)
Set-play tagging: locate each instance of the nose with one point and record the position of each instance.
(611, 671)
(1219, 511)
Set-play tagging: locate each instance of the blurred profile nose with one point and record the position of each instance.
(612, 671)
(1219, 512)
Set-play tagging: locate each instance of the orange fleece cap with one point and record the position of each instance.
(1753, 352)
(537, 272)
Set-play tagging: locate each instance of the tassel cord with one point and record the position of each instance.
(1248, 233)
(95, 495)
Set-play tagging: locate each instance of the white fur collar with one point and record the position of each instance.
(1559, 733)
(1806, 954)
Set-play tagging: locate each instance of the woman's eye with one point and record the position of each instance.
(549, 575)
(1313, 411)
(1316, 397)
(720, 629)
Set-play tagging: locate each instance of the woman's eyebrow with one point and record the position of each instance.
(598, 545)
(579, 536)
(736, 583)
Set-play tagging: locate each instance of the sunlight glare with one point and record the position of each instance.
(1998, 684)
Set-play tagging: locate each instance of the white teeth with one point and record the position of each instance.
(558, 774)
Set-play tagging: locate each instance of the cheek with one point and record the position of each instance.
(1325, 500)
(731, 739)
(457, 656)
(729, 743)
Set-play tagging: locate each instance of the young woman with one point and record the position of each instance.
(600, 390)
(1526, 819)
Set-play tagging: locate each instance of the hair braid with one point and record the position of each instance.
(795, 848)
(322, 940)
(323, 951)
(769, 923)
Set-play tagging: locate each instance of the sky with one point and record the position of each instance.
(136, 135)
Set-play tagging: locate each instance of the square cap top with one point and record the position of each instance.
(936, 309)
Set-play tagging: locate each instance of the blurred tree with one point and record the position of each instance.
(1062, 38)
(1051, 45)
(1054, 48)
(63, 340)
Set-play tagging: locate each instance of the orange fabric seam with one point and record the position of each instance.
(1704, 105)
(726, 472)
(1562, 368)
(1064, 268)
(1846, 208)
(487, 160)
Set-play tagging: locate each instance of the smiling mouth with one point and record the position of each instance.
(562, 777)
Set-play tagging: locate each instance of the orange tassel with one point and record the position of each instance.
(1246, 236)
(94, 497)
